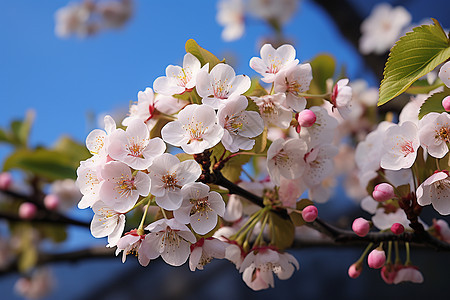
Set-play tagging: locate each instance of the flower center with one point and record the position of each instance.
(135, 149)
(195, 130)
(281, 158)
(124, 186)
(183, 77)
(201, 206)
(170, 238)
(443, 133)
(406, 148)
(170, 181)
(234, 123)
(221, 89)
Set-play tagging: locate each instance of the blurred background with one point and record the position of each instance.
(71, 82)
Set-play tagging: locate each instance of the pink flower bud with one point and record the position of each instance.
(383, 192)
(5, 180)
(355, 270)
(27, 210)
(376, 258)
(446, 103)
(361, 226)
(397, 228)
(388, 273)
(306, 118)
(51, 202)
(309, 213)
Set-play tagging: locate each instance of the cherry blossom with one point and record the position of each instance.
(195, 130)
(218, 85)
(168, 239)
(204, 250)
(121, 189)
(273, 110)
(293, 81)
(235, 254)
(168, 175)
(341, 97)
(67, 192)
(434, 133)
(400, 143)
(383, 28)
(200, 207)
(131, 243)
(259, 265)
(444, 74)
(285, 158)
(408, 273)
(179, 79)
(134, 146)
(435, 190)
(73, 19)
(90, 180)
(149, 107)
(107, 222)
(319, 163)
(97, 141)
(230, 14)
(37, 286)
(239, 125)
(273, 61)
(376, 258)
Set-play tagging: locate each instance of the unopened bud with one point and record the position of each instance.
(355, 270)
(361, 226)
(27, 210)
(309, 213)
(376, 258)
(446, 103)
(306, 118)
(51, 202)
(397, 228)
(5, 181)
(383, 192)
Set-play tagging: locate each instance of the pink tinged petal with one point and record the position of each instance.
(166, 86)
(176, 255)
(215, 248)
(171, 200)
(233, 210)
(95, 141)
(188, 171)
(182, 214)
(114, 236)
(143, 183)
(105, 222)
(142, 258)
(174, 134)
(155, 147)
(168, 104)
(444, 74)
(150, 245)
(195, 257)
(110, 124)
(410, 274)
(203, 222)
(216, 203)
(195, 190)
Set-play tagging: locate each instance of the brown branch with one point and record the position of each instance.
(72, 257)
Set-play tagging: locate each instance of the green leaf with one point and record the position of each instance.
(423, 87)
(296, 217)
(323, 67)
(46, 163)
(414, 55)
(256, 89)
(282, 231)
(75, 151)
(203, 55)
(434, 103)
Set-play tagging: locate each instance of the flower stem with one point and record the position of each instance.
(364, 254)
(398, 261)
(140, 230)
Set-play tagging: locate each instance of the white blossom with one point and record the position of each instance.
(435, 190)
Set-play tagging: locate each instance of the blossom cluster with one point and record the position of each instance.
(201, 108)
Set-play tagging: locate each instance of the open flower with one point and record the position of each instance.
(107, 222)
(285, 158)
(273, 110)
(230, 14)
(273, 61)
(435, 190)
(444, 74)
(179, 79)
(97, 140)
(134, 146)
(168, 239)
(204, 251)
(168, 175)
(341, 97)
(293, 81)
(259, 265)
(195, 130)
(89, 180)
(240, 125)
(220, 84)
(200, 207)
(400, 144)
(121, 189)
(434, 133)
(131, 243)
